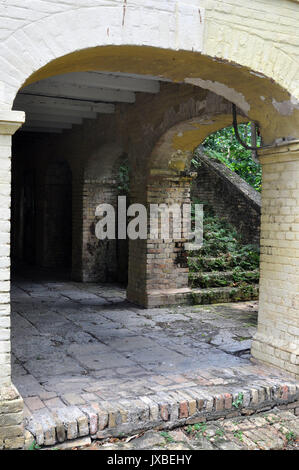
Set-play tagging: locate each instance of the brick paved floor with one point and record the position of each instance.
(275, 430)
(76, 344)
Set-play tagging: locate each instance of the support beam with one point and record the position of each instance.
(56, 125)
(47, 111)
(51, 87)
(51, 130)
(52, 118)
(111, 81)
(23, 100)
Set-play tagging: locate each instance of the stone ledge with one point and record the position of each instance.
(187, 296)
(11, 419)
(160, 411)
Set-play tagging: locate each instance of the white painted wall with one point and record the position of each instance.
(262, 35)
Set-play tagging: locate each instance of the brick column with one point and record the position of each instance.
(11, 404)
(277, 339)
(158, 272)
(99, 257)
(77, 226)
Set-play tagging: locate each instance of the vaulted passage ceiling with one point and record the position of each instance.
(56, 103)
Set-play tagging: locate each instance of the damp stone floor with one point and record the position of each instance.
(75, 344)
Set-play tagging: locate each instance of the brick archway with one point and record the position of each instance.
(218, 55)
(106, 38)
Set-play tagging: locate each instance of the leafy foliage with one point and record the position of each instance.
(34, 446)
(123, 179)
(239, 400)
(197, 429)
(224, 146)
(167, 436)
(223, 250)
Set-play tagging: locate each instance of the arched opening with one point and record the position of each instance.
(58, 216)
(170, 177)
(227, 184)
(231, 175)
(257, 94)
(95, 329)
(41, 234)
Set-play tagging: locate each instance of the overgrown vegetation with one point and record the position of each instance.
(223, 250)
(224, 146)
(123, 179)
(237, 403)
(196, 430)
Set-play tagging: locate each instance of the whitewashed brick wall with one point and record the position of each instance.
(9, 123)
(277, 339)
(261, 35)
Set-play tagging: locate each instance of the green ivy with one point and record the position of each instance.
(223, 145)
(223, 249)
(123, 179)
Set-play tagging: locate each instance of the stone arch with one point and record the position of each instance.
(258, 96)
(158, 271)
(243, 53)
(102, 164)
(217, 53)
(174, 150)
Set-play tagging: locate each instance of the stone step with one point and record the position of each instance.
(164, 410)
(223, 278)
(199, 296)
(224, 294)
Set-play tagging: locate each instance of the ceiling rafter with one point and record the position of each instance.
(58, 102)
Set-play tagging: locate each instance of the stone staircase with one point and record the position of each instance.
(225, 269)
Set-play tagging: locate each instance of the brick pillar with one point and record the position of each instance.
(158, 271)
(277, 339)
(77, 226)
(99, 257)
(11, 404)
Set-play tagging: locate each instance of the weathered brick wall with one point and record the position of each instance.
(99, 257)
(11, 404)
(5, 367)
(94, 158)
(277, 339)
(245, 52)
(9, 123)
(39, 32)
(11, 418)
(157, 267)
(77, 225)
(230, 196)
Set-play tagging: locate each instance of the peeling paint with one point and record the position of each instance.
(260, 75)
(220, 89)
(286, 108)
(236, 85)
(284, 140)
(178, 160)
(124, 12)
(200, 17)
